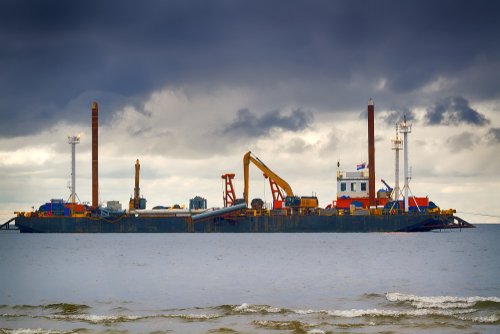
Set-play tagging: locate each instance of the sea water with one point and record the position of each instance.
(436, 282)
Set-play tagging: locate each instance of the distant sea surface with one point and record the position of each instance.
(436, 282)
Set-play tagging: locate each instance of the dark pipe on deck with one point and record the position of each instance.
(219, 212)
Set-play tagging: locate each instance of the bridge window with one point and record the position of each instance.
(363, 186)
(343, 186)
(353, 186)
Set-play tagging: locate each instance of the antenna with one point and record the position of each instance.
(397, 145)
(405, 129)
(73, 140)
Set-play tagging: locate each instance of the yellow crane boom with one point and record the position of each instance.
(136, 188)
(249, 157)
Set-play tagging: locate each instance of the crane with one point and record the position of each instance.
(228, 194)
(389, 188)
(249, 157)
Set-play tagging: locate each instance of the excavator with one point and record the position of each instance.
(275, 181)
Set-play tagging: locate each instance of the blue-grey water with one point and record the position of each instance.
(438, 282)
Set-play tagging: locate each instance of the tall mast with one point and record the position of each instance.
(73, 140)
(397, 145)
(405, 129)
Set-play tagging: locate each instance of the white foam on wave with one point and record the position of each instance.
(247, 308)
(241, 308)
(355, 313)
(190, 316)
(391, 313)
(316, 331)
(439, 301)
(32, 331)
(95, 319)
(488, 319)
(441, 305)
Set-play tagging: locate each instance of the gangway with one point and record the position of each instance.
(6, 225)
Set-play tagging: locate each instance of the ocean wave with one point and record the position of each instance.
(190, 316)
(221, 330)
(294, 325)
(94, 319)
(64, 308)
(67, 308)
(442, 302)
(460, 308)
(32, 331)
(25, 307)
(247, 308)
(283, 325)
(487, 319)
(371, 295)
(13, 315)
(355, 313)
(441, 305)
(109, 319)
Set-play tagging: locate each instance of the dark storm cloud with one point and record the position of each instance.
(55, 54)
(393, 117)
(249, 124)
(454, 111)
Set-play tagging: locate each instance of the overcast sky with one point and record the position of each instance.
(188, 87)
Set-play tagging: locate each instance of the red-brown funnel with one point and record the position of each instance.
(95, 159)
(371, 152)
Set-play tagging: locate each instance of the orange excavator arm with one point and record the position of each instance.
(249, 157)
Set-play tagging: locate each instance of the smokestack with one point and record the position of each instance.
(136, 188)
(95, 159)
(371, 152)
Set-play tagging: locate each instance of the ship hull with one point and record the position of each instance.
(238, 224)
